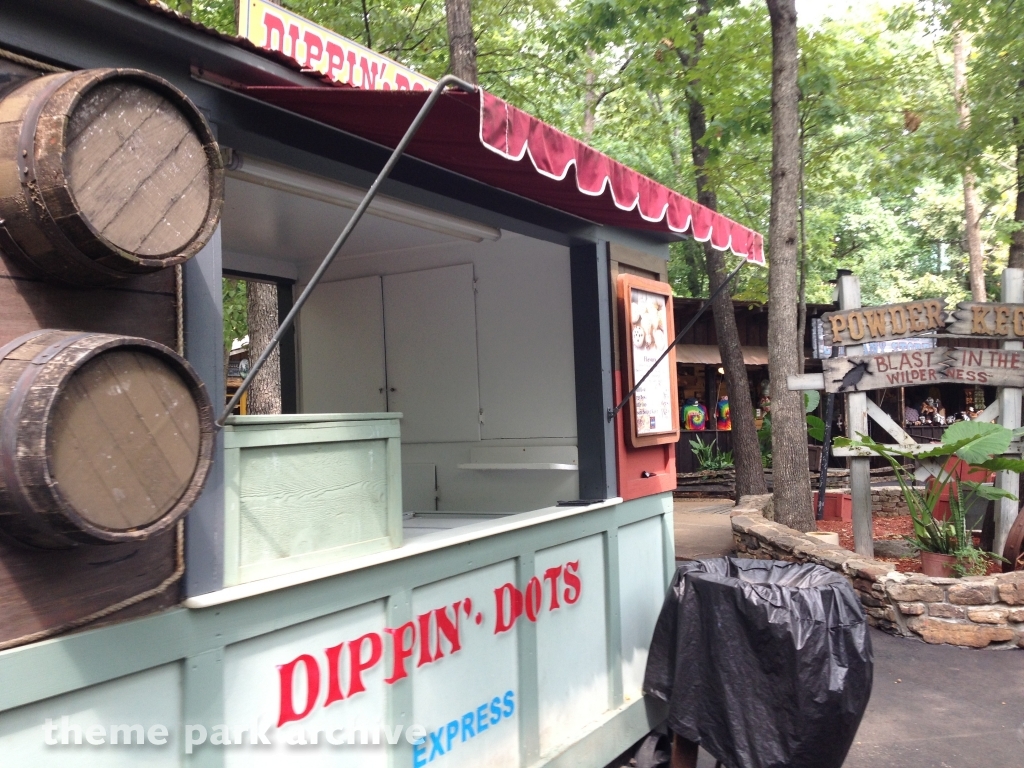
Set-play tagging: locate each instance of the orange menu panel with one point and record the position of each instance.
(641, 471)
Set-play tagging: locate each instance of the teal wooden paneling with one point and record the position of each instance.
(305, 490)
(282, 623)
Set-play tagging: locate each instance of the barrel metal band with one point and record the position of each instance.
(9, 421)
(27, 167)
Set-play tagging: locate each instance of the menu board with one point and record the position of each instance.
(648, 330)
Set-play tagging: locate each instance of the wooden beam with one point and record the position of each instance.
(885, 422)
(991, 413)
(801, 381)
(1014, 451)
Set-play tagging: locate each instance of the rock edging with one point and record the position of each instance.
(973, 612)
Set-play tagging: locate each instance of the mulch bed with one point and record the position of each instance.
(888, 528)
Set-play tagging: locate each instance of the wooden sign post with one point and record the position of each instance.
(856, 424)
(1009, 399)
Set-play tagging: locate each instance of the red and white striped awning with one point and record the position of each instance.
(487, 139)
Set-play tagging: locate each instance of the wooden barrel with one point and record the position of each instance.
(103, 438)
(104, 174)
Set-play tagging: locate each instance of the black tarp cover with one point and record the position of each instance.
(765, 663)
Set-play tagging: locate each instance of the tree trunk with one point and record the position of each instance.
(265, 390)
(801, 323)
(461, 43)
(1016, 260)
(789, 429)
(746, 449)
(972, 208)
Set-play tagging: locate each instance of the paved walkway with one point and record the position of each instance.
(951, 708)
(702, 528)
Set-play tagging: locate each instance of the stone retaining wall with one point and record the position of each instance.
(888, 502)
(976, 611)
(885, 502)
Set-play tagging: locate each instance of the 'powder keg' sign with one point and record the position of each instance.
(1004, 321)
(891, 321)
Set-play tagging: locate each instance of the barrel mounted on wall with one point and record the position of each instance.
(105, 174)
(103, 438)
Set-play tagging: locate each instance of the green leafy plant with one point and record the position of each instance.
(977, 444)
(815, 427)
(709, 457)
(235, 311)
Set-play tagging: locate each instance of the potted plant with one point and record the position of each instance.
(945, 543)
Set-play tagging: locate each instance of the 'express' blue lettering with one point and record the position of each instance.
(436, 749)
(419, 755)
(470, 725)
(495, 710)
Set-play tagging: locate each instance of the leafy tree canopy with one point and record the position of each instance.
(883, 145)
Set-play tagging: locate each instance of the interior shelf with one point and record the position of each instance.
(522, 466)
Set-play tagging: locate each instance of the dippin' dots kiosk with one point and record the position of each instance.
(444, 552)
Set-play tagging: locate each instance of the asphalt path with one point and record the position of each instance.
(938, 706)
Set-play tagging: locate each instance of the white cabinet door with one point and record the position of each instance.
(341, 348)
(430, 337)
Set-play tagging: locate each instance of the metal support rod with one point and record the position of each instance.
(435, 94)
(613, 412)
(826, 445)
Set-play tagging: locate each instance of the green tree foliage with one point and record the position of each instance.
(883, 150)
(236, 325)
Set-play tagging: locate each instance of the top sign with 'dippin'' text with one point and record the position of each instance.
(319, 50)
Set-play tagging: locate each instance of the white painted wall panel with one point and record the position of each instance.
(252, 692)
(341, 348)
(527, 376)
(419, 487)
(642, 592)
(572, 648)
(526, 384)
(147, 698)
(468, 490)
(430, 337)
(460, 684)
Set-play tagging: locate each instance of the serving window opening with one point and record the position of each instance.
(458, 333)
